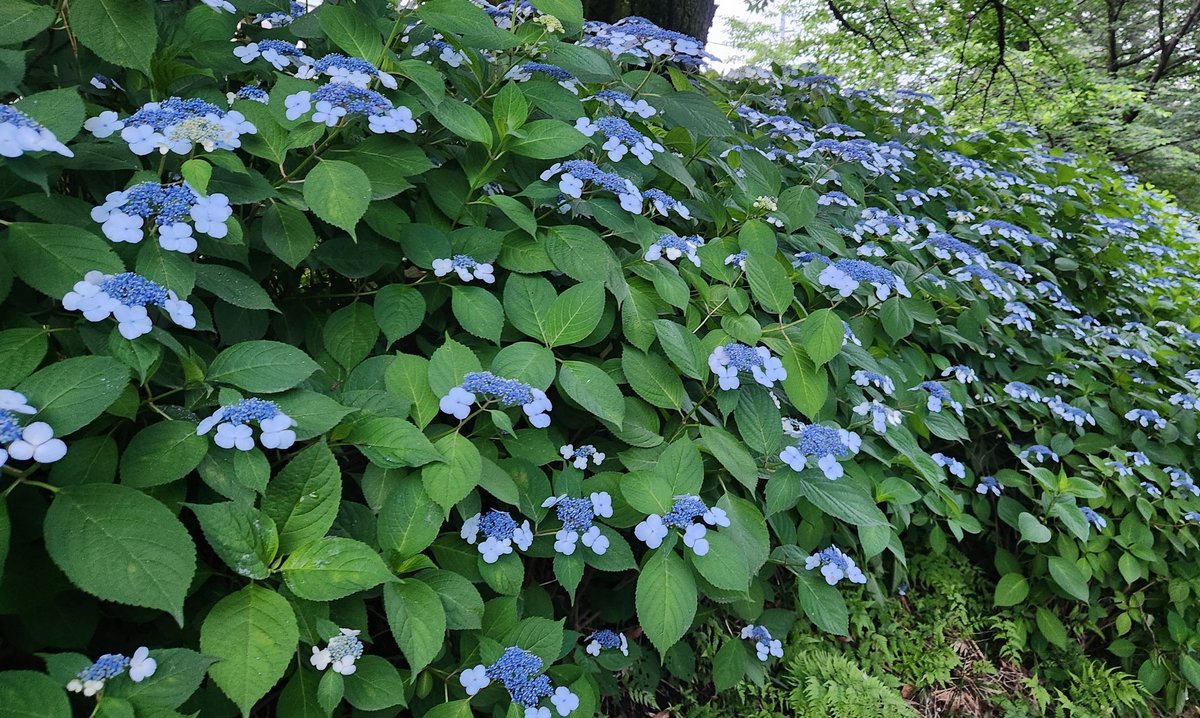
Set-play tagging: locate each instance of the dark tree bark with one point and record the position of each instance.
(692, 17)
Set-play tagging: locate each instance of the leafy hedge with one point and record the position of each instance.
(435, 361)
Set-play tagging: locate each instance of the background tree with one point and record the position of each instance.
(693, 17)
(1102, 75)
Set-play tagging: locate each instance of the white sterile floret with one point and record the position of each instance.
(465, 267)
(651, 531)
(37, 442)
(141, 665)
(474, 679)
(15, 401)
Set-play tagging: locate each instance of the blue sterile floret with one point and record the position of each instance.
(20, 133)
(939, 396)
(835, 566)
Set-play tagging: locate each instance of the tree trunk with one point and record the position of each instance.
(691, 17)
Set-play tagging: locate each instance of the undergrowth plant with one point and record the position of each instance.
(461, 358)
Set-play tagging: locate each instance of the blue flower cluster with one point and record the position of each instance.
(673, 247)
(338, 99)
(525, 71)
(729, 360)
(638, 38)
(279, 53)
(846, 275)
(577, 517)
(621, 138)
(939, 396)
(500, 533)
(125, 297)
(175, 125)
(465, 267)
(20, 133)
(682, 516)
(34, 441)
(520, 672)
(605, 639)
(91, 680)
(508, 392)
(615, 98)
(824, 445)
(170, 208)
(234, 430)
(764, 645)
(835, 566)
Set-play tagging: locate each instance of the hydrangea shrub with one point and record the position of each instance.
(459, 359)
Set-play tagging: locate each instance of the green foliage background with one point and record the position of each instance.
(230, 566)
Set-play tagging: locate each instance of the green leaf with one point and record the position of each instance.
(351, 31)
(478, 311)
(122, 32)
(449, 481)
(526, 303)
(758, 420)
(35, 695)
(408, 376)
(574, 314)
(392, 443)
(333, 568)
(338, 192)
(288, 233)
(375, 685)
(303, 499)
(527, 362)
(417, 620)
(547, 140)
(1011, 589)
(540, 636)
(510, 109)
(652, 379)
(1050, 627)
(1069, 577)
(21, 351)
(682, 467)
(729, 665)
(399, 311)
(460, 599)
(897, 321)
(261, 366)
(253, 635)
(463, 120)
(806, 385)
(245, 538)
(822, 333)
(683, 348)
(733, 456)
(51, 258)
(515, 210)
(448, 365)
(162, 453)
(769, 283)
(350, 334)
(409, 520)
(20, 21)
(1188, 666)
(332, 687)
(60, 111)
(822, 603)
(666, 598)
(695, 112)
(173, 270)
(592, 389)
(569, 12)
(453, 709)
(463, 18)
(1032, 530)
(179, 674)
(841, 499)
(70, 393)
(120, 545)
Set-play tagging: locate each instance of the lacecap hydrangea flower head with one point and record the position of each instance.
(506, 392)
(607, 640)
(20, 133)
(682, 516)
(824, 446)
(175, 125)
(33, 441)
(173, 211)
(126, 297)
(91, 680)
(520, 672)
(340, 653)
(577, 516)
(235, 432)
(500, 534)
(729, 360)
(764, 645)
(579, 456)
(835, 566)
